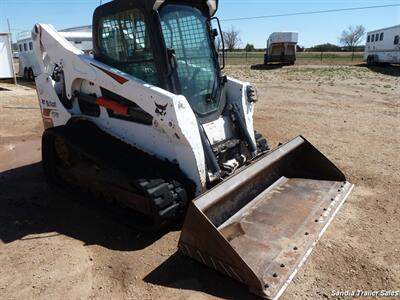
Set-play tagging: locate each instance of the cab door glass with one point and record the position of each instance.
(124, 40)
(186, 31)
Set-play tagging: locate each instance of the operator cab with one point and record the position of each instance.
(169, 44)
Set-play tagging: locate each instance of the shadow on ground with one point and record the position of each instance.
(26, 83)
(29, 207)
(385, 69)
(181, 272)
(268, 67)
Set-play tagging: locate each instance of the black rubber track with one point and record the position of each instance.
(261, 142)
(164, 187)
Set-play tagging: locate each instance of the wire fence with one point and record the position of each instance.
(232, 58)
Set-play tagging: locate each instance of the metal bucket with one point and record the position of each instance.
(260, 225)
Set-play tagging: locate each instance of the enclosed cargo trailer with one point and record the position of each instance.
(7, 72)
(281, 47)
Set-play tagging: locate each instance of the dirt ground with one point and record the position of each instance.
(53, 246)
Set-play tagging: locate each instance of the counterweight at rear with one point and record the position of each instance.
(151, 122)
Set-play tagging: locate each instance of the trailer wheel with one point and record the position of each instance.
(371, 61)
(26, 74)
(31, 76)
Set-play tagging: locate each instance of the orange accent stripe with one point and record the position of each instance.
(117, 78)
(46, 112)
(47, 120)
(114, 106)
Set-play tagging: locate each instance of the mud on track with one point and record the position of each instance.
(53, 244)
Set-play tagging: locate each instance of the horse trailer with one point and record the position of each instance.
(28, 65)
(281, 47)
(7, 73)
(383, 46)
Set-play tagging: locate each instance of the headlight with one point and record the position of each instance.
(252, 95)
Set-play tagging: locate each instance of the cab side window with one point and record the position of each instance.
(396, 40)
(124, 41)
(381, 36)
(368, 39)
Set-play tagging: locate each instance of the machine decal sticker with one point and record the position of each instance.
(161, 109)
(117, 78)
(49, 103)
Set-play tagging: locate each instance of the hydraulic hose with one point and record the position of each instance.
(243, 129)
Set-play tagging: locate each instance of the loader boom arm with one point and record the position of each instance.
(176, 120)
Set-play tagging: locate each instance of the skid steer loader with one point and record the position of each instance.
(150, 120)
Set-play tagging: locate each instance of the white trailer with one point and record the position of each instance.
(7, 72)
(281, 47)
(28, 65)
(383, 46)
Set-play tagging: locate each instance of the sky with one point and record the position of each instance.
(313, 29)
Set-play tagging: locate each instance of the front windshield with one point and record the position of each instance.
(185, 31)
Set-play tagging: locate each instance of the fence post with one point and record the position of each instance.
(322, 55)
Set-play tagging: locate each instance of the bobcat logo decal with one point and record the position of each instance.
(161, 109)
